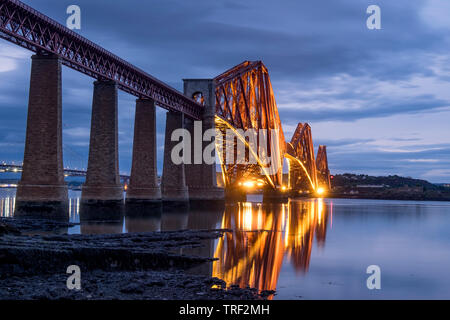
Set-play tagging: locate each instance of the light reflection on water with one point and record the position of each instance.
(266, 235)
(7, 202)
(312, 249)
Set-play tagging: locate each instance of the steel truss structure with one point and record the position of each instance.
(245, 100)
(30, 29)
(244, 95)
(323, 173)
(302, 173)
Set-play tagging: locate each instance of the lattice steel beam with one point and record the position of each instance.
(323, 172)
(301, 147)
(245, 100)
(30, 29)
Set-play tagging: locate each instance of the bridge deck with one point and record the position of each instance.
(30, 29)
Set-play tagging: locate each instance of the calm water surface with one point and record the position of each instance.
(311, 249)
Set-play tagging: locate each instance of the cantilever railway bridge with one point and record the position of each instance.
(240, 98)
(245, 100)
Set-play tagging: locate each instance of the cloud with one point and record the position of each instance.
(10, 57)
(78, 132)
(344, 142)
(437, 174)
(435, 14)
(348, 98)
(423, 160)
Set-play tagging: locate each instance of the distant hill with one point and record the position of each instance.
(349, 180)
(362, 186)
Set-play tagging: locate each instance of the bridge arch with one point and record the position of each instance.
(245, 101)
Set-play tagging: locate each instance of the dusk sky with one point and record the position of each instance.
(379, 99)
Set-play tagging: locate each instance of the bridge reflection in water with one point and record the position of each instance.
(263, 236)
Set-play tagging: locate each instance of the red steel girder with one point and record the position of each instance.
(301, 147)
(323, 172)
(30, 29)
(245, 99)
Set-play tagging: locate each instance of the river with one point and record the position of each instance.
(310, 249)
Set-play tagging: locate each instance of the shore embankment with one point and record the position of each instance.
(115, 266)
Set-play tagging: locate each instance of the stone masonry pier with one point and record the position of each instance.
(144, 185)
(42, 190)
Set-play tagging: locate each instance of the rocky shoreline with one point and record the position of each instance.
(116, 266)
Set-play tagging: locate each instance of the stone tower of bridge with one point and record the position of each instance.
(42, 191)
(144, 185)
(201, 177)
(173, 183)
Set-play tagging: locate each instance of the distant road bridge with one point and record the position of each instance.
(7, 167)
(239, 99)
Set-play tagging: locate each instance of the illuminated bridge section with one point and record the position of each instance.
(245, 102)
(267, 236)
(323, 172)
(302, 165)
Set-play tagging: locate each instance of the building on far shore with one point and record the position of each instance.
(369, 188)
